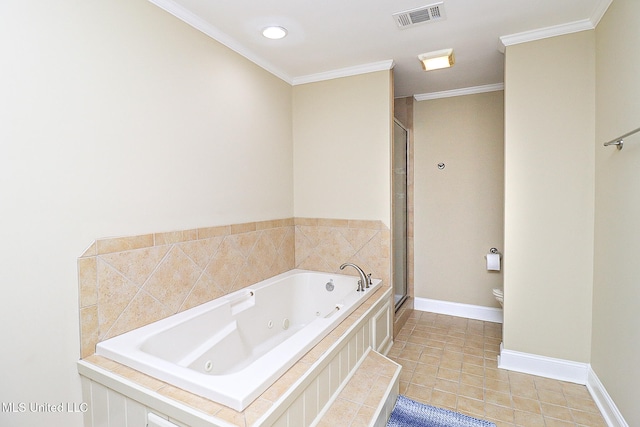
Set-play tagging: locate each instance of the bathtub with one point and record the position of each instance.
(231, 349)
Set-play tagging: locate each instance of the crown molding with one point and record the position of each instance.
(459, 92)
(344, 72)
(213, 32)
(557, 30)
(543, 33)
(599, 11)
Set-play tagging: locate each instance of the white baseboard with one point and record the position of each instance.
(477, 312)
(564, 370)
(548, 367)
(607, 407)
(542, 366)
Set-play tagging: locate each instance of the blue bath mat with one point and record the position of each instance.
(409, 413)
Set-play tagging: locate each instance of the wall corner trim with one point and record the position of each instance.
(476, 312)
(543, 366)
(605, 403)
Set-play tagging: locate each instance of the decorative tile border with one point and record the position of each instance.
(128, 282)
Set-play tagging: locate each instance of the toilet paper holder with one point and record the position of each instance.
(493, 259)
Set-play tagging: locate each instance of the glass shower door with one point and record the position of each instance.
(399, 212)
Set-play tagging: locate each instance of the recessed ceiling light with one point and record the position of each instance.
(436, 60)
(274, 33)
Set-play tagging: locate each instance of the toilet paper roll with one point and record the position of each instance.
(493, 262)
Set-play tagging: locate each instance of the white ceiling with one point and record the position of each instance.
(331, 38)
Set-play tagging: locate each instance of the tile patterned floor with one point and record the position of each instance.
(451, 362)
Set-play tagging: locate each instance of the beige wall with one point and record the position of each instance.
(117, 119)
(342, 134)
(459, 210)
(120, 120)
(549, 196)
(616, 294)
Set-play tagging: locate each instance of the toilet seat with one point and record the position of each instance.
(499, 294)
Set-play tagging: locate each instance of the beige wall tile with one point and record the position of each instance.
(89, 328)
(201, 251)
(136, 265)
(175, 237)
(115, 292)
(173, 279)
(373, 225)
(87, 281)
(142, 310)
(118, 244)
(312, 222)
(133, 283)
(328, 222)
(243, 228)
(223, 230)
(205, 290)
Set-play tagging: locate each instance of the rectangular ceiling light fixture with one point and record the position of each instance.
(438, 59)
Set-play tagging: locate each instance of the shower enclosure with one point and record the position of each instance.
(399, 212)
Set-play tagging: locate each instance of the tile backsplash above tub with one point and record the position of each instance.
(128, 282)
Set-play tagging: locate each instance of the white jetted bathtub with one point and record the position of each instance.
(232, 349)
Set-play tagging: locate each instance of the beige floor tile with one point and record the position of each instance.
(552, 422)
(582, 404)
(552, 397)
(497, 412)
(497, 385)
(419, 393)
(469, 391)
(448, 374)
(446, 385)
(443, 399)
(450, 362)
(471, 407)
(526, 405)
(590, 419)
(555, 411)
(497, 398)
(527, 419)
(474, 380)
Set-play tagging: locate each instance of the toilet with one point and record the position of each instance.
(499, 294)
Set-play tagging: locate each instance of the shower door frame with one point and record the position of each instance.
(394, 216)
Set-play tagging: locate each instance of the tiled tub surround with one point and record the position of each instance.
(120, 396)
(128, 282)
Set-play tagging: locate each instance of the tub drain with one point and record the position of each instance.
(208, 366)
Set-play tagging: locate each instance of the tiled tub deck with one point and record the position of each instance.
(305, 395)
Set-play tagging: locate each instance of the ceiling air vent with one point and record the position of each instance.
(429, 13)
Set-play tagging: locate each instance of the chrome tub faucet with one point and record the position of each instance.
(363, 282)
